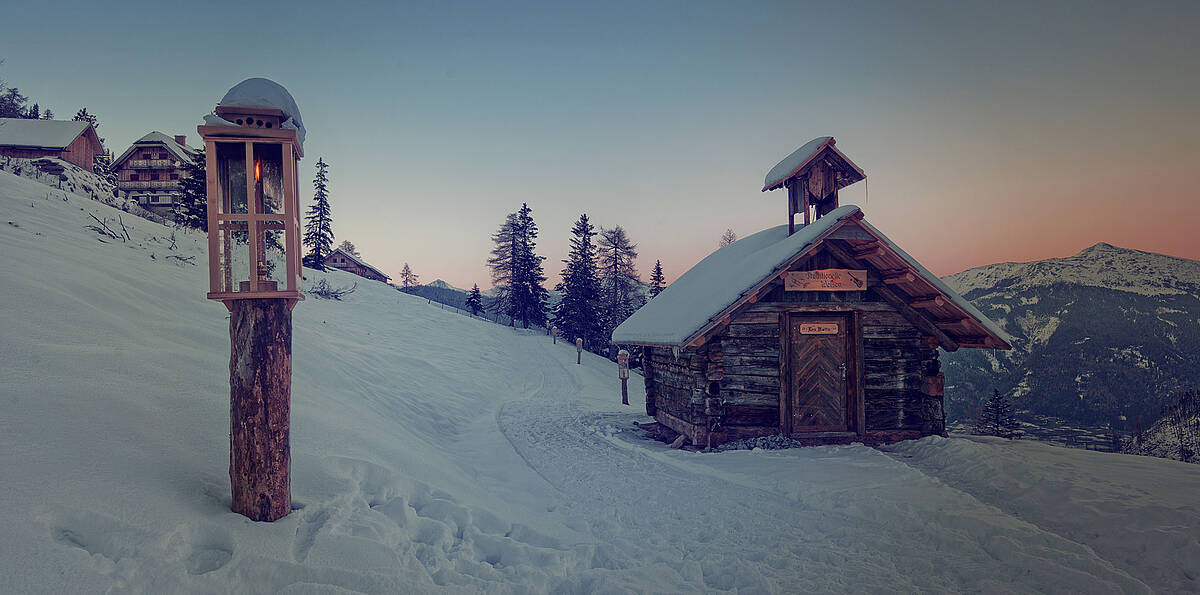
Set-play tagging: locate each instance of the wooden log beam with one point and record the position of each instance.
(963, 324)
(896, 301)
(935, 301)
(868, 251)
(897, 276)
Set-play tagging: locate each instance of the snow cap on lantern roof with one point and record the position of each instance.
(261, 92)
(802, 158)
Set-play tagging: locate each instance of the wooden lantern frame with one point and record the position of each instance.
(219, 207)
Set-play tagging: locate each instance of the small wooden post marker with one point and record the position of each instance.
(623, 374)
(554, 335)
(579, 351)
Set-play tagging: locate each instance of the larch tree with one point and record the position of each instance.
(727, 238)
(191, 210)
(620, 287)
(318, 227)
(407, 277)
(657, 281)
(577, 314)
(349, 248)
(475, 300)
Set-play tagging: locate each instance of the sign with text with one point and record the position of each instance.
(825, 280)
(818, 328)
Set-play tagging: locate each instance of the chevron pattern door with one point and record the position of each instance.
(818, 352)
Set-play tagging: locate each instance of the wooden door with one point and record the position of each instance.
(821, 372)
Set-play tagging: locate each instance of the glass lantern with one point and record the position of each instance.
(253, 210)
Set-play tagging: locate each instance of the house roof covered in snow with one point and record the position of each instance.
(805, 156)
(40, 134)
(701, 298)
(360, 262)
(261, 92)
(182, 153)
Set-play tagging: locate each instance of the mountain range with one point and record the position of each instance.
(1104, 333)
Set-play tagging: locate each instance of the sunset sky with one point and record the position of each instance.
(989, 131)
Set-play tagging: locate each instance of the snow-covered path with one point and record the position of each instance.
(827, 519)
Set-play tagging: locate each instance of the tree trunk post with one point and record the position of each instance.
(624, 391)
(260, 386)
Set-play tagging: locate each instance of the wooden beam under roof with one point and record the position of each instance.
(900, 304)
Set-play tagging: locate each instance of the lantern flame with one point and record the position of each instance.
(257, 170)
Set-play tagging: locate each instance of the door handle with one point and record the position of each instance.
(843, 369)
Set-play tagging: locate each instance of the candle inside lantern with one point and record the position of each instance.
(259, 207)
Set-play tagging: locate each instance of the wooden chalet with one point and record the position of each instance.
(340, 259)
(74, 142)
(151, 168)
(827, 332)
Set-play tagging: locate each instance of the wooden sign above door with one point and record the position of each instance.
(825, 280)
(818, 328)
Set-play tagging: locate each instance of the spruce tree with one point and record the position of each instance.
(517, 270)
(475, 300)
(318, 227)
(577, 314)
(997, 418)
(657, 281)
(34, 113)
(192, 209)
(501, 264)
(620, 295)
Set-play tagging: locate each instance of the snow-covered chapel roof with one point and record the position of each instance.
(706, 292)
(41, 134)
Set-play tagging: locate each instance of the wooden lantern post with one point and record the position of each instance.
(252, 147)
(554, 335)
(579, 351)
(623, 374)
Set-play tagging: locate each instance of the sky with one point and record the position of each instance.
(989, 132)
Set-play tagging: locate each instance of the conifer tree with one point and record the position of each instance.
(517, 269)
(727, 238)
(318, 227)
(620, 295)
(577, 314)
(407, 277)
(192, 209)
(47, 114)
(657, 281)
(34, 113)
(997, 418)
(475, 300)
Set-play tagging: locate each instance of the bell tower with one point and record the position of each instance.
(813, 174)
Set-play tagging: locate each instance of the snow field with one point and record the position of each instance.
(435, 453)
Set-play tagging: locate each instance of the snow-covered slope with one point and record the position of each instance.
(1107, 332)
(433, 453)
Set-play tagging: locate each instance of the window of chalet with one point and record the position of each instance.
(174, 176)
(153, 176)
(145, 155)
(162, 155)
(134, 177)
